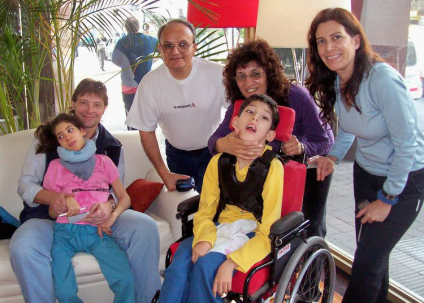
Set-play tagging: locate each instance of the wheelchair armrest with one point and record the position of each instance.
(302, 158)
(188, 207)
(287, 222)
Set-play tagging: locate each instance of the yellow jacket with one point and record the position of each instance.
(259, 246)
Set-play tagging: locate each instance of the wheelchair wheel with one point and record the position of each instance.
(309, 276)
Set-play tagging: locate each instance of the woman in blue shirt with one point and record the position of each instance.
(373, 104)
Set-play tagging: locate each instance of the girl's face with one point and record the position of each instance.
(251, 80)
(69, 136)
(336, 48)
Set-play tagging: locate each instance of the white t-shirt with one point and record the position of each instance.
(188, 111)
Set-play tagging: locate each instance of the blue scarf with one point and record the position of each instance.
(81, 163)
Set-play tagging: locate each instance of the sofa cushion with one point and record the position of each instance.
(142, 193)
(6, 271)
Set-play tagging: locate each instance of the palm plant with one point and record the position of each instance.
(38, 39)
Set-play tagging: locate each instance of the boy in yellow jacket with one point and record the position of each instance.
(240, 201)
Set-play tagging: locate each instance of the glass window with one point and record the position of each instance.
(403, 48)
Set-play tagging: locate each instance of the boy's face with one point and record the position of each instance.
(254, 123)
(69, 136)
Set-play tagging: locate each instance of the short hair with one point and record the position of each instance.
(91, 87)
(132, 25)
(260, 52)
(181, 21)
(273, 106)
(47, 141)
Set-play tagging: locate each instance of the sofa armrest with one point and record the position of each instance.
(165, 205)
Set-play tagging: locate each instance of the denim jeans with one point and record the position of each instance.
(369, 281)
(70, 239)
(191, 163)
(314, 202)
(30, 254)
(190, 282)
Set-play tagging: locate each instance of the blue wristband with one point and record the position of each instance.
(381, 197)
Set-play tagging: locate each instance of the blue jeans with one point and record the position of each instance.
(191, 163)
(72, 238)
(177, 286)
(369, 280)
(134, 232)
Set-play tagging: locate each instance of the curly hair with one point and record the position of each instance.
(47, 141)
(261, 53)
(321, 80)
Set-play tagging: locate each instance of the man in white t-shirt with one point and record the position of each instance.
(185, 96)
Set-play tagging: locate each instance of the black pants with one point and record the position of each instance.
(128, 101)
(314, 202)
(369, 281)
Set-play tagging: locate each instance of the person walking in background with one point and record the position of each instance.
(130, 55)
(373, 104)
(101, 52)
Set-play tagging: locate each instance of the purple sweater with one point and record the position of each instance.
(308, 128)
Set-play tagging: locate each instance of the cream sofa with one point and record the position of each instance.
(92, 286)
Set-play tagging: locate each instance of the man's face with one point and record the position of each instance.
(89, 109)
(175, 60)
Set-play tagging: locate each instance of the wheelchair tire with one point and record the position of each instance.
(309, 276)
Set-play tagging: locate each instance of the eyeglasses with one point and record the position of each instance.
(183, 47)
(254, 76)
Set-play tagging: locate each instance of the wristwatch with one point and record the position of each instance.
(302, 148)
(387, 196)
(112, 202)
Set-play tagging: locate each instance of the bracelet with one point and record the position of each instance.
(386, 198)
(112, 202)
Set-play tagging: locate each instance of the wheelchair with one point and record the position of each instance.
(298, 269)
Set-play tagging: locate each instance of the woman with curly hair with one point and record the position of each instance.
(373, 104)
(254, 68)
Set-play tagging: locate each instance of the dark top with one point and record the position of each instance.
(137, 46)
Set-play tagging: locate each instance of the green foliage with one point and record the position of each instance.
(38, 39)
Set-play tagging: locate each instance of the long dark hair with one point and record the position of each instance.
(321, 80)
(47, 141)
(261, 53)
